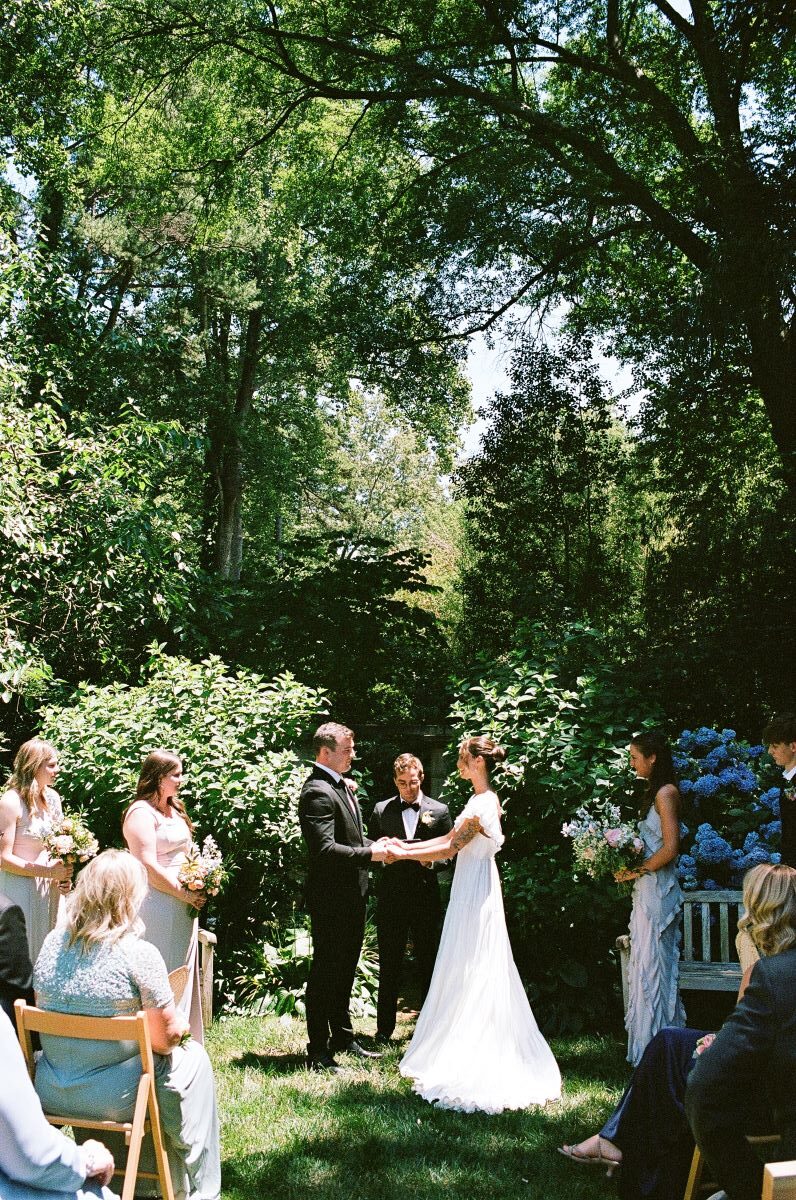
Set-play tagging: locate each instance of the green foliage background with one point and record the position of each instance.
(238, 736)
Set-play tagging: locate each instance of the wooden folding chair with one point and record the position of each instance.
(779, 1181)
(694, 1184)
(146, 1115)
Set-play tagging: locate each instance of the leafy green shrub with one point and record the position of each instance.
(236, 733)
(565, 712)
(277, 978)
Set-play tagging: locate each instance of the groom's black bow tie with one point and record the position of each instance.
(409, 804)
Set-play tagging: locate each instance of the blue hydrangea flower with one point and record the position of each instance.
(706, 785)
(755, 751)
(710, 885)
(770, 800)
(772, 831)
(727, 735)
(685, 786)
(710, 847)
(715, 757)
(706, 738)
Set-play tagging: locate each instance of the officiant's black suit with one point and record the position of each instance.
(335, 895)
(408, 903)
(750, 1068)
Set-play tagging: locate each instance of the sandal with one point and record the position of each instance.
(594, 1160)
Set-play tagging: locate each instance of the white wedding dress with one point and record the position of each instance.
(477, 1046)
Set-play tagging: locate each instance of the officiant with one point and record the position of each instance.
(408, 901)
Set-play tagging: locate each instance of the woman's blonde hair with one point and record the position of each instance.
(29, 760)
(769, 897)
(108, 894)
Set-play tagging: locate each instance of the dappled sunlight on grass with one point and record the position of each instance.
(290, 1133)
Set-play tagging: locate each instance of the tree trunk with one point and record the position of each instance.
(46, 332)
(228, 459)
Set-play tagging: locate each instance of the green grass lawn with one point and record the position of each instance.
(292, 1135)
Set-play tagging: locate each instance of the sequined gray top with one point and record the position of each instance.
(106, 980)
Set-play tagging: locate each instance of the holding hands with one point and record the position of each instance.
(387, 850)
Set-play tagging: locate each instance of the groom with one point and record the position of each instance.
(336, 894)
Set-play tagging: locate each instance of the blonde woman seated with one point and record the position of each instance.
(98, 965)
(647, 1135)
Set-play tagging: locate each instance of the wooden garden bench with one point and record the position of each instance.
(708, 960)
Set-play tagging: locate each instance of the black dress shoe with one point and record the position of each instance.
(323, 1062)
(383, 1039)
(359, 1051)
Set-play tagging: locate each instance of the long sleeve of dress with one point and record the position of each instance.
(31, 1150)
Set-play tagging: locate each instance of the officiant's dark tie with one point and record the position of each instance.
(408, 804)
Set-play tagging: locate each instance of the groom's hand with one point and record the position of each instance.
(379, 851)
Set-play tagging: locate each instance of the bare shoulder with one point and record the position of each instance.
(667, 797)
(140, 815)
(11, 803)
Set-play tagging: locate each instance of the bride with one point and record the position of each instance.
(476, 1045)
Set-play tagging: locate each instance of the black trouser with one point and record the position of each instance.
(720, 1121)
(394, 925)
(338, 928)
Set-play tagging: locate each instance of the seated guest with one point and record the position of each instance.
(98, 965)
(16, 971)
(37, 1162)
(648, 1134)
(751, 1066)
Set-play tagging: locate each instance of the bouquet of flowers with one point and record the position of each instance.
(203, 870)
(70, 840)
(602, 843)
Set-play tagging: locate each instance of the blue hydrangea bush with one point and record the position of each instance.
(730, 795)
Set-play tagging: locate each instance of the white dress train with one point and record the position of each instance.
(477, 1046)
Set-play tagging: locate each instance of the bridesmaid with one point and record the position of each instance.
(653, 998)
(28, 807)
(159, 833)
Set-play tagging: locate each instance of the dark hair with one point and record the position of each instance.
(650, 742)
(484, 747)
(330, 735)
(155, 767)
(781, 728)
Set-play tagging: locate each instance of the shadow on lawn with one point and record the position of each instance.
(386, 1143)
(271, 1064)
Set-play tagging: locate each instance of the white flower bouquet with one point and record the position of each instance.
(69, 840)
(602, 843)
(203, 870)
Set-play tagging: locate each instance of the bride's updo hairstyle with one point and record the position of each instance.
(484, 747)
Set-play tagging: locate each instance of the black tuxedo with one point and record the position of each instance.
(408, 903)
(337, 886)
(749, 1070)
(16, 972)
(787, 812)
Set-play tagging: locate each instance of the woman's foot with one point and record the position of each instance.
(597, 1151)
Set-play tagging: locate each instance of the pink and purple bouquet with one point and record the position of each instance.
(69, 840)
(602, 843)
